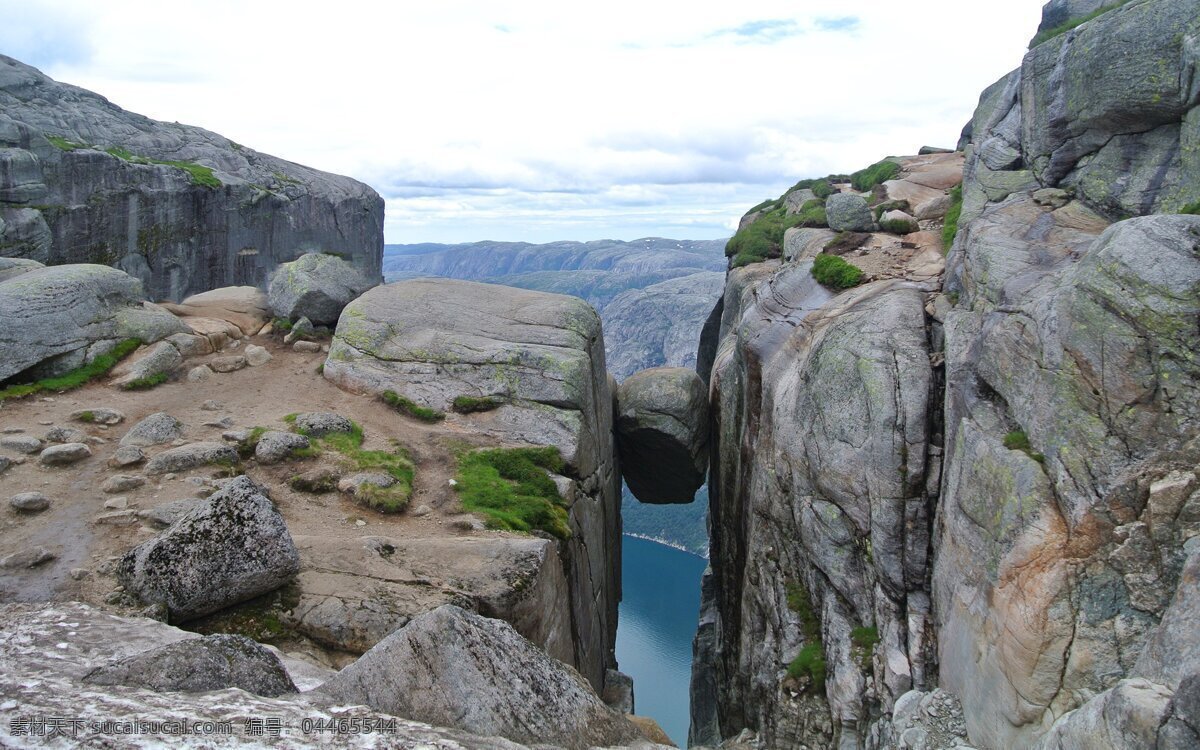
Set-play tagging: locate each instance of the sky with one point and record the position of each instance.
(541, 121)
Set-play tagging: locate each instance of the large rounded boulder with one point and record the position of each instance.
(662, 434)
(315, 286)
(847, 212)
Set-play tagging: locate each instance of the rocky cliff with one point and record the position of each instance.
(180, 208)
(982, 482)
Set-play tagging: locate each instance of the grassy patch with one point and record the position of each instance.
(65, 145)
(811, 659)
(821, 187)
(1191, 208)
(764, 238)
(876, 174)
(834, 272)
(146, 383)
(86, 416)
(898, 226)
(200, 174)
(410, 408)
(950, 228)
(769, 203)
(863, 641)
(1046, 35)
(78, 377)
(885, 206)
(512, 489)
(1017, 440)
(471, 404)
(394, 463)
(281, 324)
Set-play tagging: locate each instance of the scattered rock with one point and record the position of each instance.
(118, 518)
(192, 456)
(79, 574)
(191, 344)
(256, 356)
(847, 212)
(127, 455)
(29, 502)
(275, 446)
(161, 358)
(236, 436)
(5, 462)
(211, 405)
(214, 662)
(199, 374)
(66, 435)
(315, 286)
(662, 434)
(453, 668)
(98, 416)
(162, 516)
(351, 483)
(224, 423)
(122, 483)
(228, 364)
(321, 423)
(301, 329)
(306, 347)
(618, 691)
(65, 454)
(317, 481)
(421, 510)
(1051, 197)
(233, 547)
(21, 444)
(116, 503)
(899, 222)
(29, 558)
(157, 429)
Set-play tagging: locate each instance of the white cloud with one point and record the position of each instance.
(522, 120)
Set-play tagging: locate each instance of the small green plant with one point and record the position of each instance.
(1017, 440)
(764, 238)
(245, 448)
(876, 174)
(395, 463)
(86, 416)
(411, 408)
(950, 228)
(800, 603)
(836, 273)
(471, 404)
(78, 377)
(512, 489)
(281, 324)
(1191, 208)
(146, 383)
(898, 226)
(863, 641)
(66, 145)
(810, 661)
(321, 369)
(1048, 34)
(199, 174)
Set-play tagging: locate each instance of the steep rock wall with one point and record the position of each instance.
(84, 181)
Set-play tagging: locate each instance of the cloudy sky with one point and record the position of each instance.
(540, 121)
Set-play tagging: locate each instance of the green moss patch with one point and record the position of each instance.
(395, 463)
(200, 174)
(65, 145)
(876, 174)
(764, 238)
(511, 488)
(811, 659)
(836, 273)
(1047, 34)
(410, 408)
(1191, 208)
(1017, 440)
(950, 228)
(77, 377)
(862, 641)
(471, 404)
(146, 383)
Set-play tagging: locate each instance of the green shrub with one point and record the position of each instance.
(1191, 208)
(799, 602)
(810, 661)
(1017, 440)
(834, 272)
(512, 489)
(470, 404)
(898, 226)
(950, 228)
(86, 416)
(820, 187)
(769, 203)
(1048, 34)
(410, 408)
(863, 640)
(146, 383)
(764, 238)
(78, 377)
(281, 324)
(878, 173)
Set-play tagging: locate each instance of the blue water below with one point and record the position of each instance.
(659, 609)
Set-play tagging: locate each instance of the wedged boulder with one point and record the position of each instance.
(662, 434)
(233, 547)
(244, 307)
(196, 665)
(848, 212)
(156, 429)
(160, 359)
(453, 668)
(192, 456)
(315, 286)
(58, 318)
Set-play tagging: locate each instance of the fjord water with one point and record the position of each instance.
(659, 609)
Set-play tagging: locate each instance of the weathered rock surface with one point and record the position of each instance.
(321, 423)
(162, 516)
(192, 456)
(315, 286)
(848, 212)
(60, 434)
(196, 665)
(99, 415)
(243, 307)
(275, 446)
(104, 195)
(431, 340)
(64, 455)
(157, 429)
(160, 359)
(233, 547)
(450, 667)
(57, 319)
(662, 434)
(29, 502)
(26, 444)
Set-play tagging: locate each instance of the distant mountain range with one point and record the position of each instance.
(653, 295)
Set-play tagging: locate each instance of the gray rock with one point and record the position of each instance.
(118, 518)
(306, 347)
(275, 446)
(66, 435)
(899, 222)
(352, 483)
(5, 462)
(157, 429)
(116, 503)
(162, 516)
(199, 374)
(58, 318)
(127, 455)
(227, 364)
(10, 267)
(233, 547)
(121, 483)
(26, 559)
(192, 456)
(321, 423)
(847, 212)
(301, 329)
(453, 668)
(315, 286)
(29, 502)
(211, 405)
(662, 434)
(99, 416)
(21, 444)
(191, 345)
(618, 692)
(214, 662)
(64, 455)
(160, 359)
(257, 356)
(268, 210)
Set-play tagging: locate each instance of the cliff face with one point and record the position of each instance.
(180, 208)
(989, 489)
